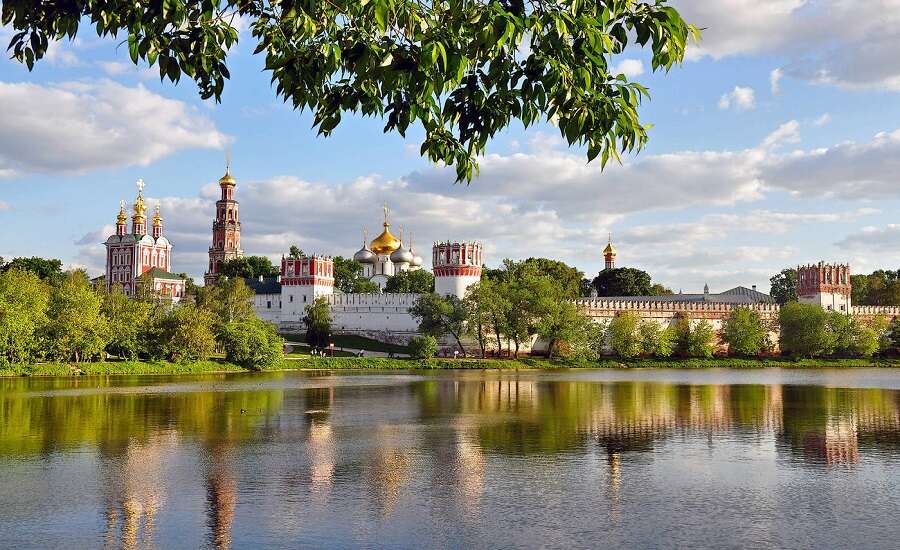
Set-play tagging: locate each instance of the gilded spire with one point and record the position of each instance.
(123, 216)
(610, 249)
(386, 224)
(140, 209)
(227, 180)
(157, 217)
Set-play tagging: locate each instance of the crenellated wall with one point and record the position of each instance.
(384, 317)
(870, 312)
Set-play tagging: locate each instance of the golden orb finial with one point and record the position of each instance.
(123, 216)
(140, 209)
(386, 242)
(157, 217)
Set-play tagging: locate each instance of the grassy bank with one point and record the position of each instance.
(306, 362)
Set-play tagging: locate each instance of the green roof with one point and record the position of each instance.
(158, 273)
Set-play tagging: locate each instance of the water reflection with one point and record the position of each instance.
(281, 457)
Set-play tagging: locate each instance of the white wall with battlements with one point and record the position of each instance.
(382, 316)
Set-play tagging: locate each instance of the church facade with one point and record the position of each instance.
(135, 257)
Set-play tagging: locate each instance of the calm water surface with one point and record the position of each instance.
(569, 459)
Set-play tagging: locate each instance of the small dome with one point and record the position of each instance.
(364, 256)
(402, 256)
(416, 261)
(609, 250)
(227, 180)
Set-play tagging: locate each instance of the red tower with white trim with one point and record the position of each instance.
(302, 281)
(826, 285)
(226, 230)
(456, 266)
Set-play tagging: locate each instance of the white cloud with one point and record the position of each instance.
(789, 132)
(878, 239)
(775, 80)
(115, 68)
(822, 119)
(844, 43)
(81, 126)
(629, 67)
(5, 206)
(742, 98)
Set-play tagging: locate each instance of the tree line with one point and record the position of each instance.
(879, 288)
(50, 315)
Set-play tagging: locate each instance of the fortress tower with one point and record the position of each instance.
(302, 281)
(226, 241)
(609, 255)
(457, 266)
(826, 285)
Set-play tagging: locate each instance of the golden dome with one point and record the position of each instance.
(140, 210)
(227, 180)
(157, 217)
(122, 217)
(610, 249)
(386, 242)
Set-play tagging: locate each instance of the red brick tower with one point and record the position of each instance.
(226, 241)
(826, 285)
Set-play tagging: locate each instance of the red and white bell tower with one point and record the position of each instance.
(226, 241)
(302, 281)
(456, 267)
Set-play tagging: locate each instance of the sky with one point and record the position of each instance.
(776, 143)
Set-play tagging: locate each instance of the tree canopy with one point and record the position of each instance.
(419, 281)
(624, 281)
(784, 286)
(879, 288)
(348, 277)
(250, 267)
(459, 70)
(48, 269)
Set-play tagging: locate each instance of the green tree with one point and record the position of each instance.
(866, 338)
(623, 335)
(318, 323)
(47, 269)
(804, 330)
(694, 339)
(488, 310)
(566, 277)
(419, 281)
(77, 329)
(423, 346)
(252, 343)
(294, 252)
(784, 286)
(656, 340)
(229, 300)
(860, 290)
(562, 323)
(840, 329)
(348, 277)
(191, 334)
(623, 281)
(461, 71)
(745, 333)
(657, 289)
(24, 299)
(440, 315)
(250, 267)
(128, 320)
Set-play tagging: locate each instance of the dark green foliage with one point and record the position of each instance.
(461, 71)
(416, 282)
(423, 347)
(745, 333)
(623, 281)
(567, 278)
(249, 267)
(189, 333)
(880, 288)
(128, 320)
(348, 277)
(318, 323)
(784, 286)
(252, 344)
(47, 269)
(694, 339)
(77, 329)
(295, 252)
(804, 330)
(440, 315)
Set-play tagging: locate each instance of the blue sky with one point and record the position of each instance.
(776, 143)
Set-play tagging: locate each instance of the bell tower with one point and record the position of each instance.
(226, 230)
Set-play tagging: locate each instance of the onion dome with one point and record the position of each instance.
(417, 260)
(122, 217)
(364, 255)
(227, 180)
(402, 255)
(386, 242)
(610, 250)
(140, 209)
(157, 217)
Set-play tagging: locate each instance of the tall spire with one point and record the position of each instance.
(123, 216)
(609, 254)
(386, 211)
(140, 209)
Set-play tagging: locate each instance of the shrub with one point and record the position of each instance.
(623, 335)
(252, 343)
(189, 333)
(656, 340)
(698, 340)
(804, 330)
(423, 347)
(744, 332)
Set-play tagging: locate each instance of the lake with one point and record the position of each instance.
(561, 459)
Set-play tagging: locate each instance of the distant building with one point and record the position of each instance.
(737, 295)
(131, 255)
(386, 256)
